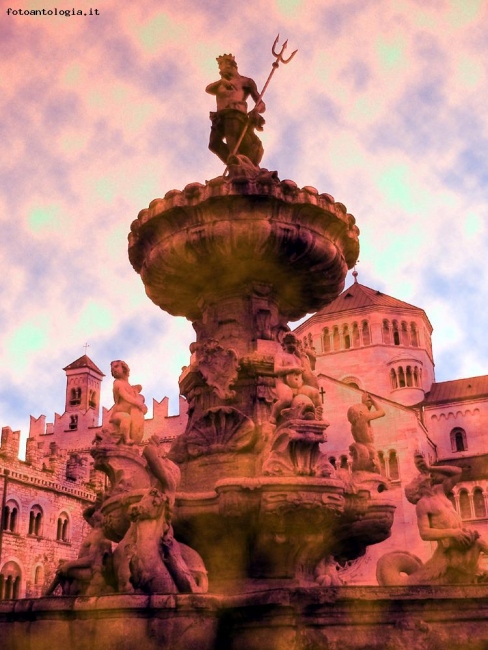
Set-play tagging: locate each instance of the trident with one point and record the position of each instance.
(279, 59)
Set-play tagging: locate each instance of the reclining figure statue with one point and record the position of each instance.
(455, 560)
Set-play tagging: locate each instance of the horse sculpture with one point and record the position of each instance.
(149, 559)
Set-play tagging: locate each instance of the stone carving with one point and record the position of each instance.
(91, 573)
(327, 573)
(128, 412)
(231, 119)
(220, 429)
(296, 387)
(241, 170)
(137, 513)
(455, 560)
(218, 367)
(363, 452)
(295, 450)
(149, 559)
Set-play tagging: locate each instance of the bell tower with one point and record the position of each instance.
(83, 383)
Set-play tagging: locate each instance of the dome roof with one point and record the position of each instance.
(359, 297)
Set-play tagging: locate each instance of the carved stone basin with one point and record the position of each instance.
(278, 528)
(196, 246)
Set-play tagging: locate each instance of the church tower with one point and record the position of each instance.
(374, 342)
(83, 384)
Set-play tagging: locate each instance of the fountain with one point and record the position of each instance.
(233, 538)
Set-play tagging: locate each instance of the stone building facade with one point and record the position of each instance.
(363, 341)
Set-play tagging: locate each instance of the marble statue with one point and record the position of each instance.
(232, 91)
(129, 409)
(362, 450)
(296, 387)
(455, 560)
(149, 559)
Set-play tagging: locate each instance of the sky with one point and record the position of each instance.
(384, 107)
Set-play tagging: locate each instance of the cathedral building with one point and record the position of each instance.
(364, 341)
(367, 341)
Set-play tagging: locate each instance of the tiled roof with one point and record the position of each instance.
(457, 389)
(84, 362)
(358, 296)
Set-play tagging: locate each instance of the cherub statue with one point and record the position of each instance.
(295, 384)
(129, 409)
(231, 118)
(363, 450)
(455, 560)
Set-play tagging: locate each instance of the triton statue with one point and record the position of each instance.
(455, 559)
(363, 452)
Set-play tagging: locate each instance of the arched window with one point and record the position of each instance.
(414, 335)
(336, 339)
(10, 581)
(416, 376)
(479, 503)
(366, 334)
(347, 337)
(385, 332)
(63, 527)
(92, 399)
(356, 339)
(396, 333)
(73, 422)
(409, 375)
(464, 506)
(326, 339)
(458, 439)
(10, 516)
(393, 379)
(35, 521)
(38, 575)
(332, 461)
(38, 582)
(401, 378)
(404, 333)
(381, 458)
(393, 464)
(344, 463)
(75, 396)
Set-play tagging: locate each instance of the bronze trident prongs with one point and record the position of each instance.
(279, 59)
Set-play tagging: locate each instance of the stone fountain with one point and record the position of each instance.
(240, 256)
(233, 539)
